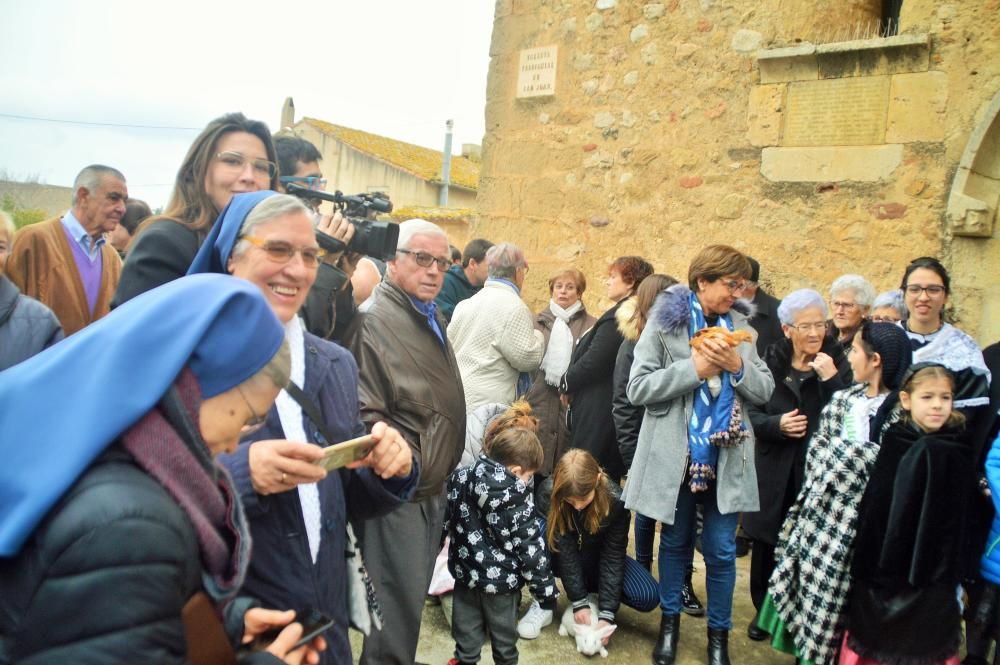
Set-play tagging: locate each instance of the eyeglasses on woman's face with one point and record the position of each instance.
(283, 252)
(932, 290)
(237, 161)
(806, 328)
(256, 421)
(734, 286)
(424, 260)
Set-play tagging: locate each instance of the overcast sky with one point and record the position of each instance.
(399, 68)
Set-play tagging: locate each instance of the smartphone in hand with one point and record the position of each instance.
(314, 623)
(342, 454)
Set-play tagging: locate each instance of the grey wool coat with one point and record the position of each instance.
(663, 379)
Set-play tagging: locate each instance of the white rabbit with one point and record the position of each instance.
(588, 638)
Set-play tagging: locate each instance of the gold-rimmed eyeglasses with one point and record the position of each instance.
(280, 251)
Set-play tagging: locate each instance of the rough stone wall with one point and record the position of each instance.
(654, 140)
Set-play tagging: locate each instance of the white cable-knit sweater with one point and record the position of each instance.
(494, 338)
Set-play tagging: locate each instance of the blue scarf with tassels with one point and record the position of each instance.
(715, 421)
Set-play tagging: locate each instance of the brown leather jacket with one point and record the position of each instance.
(410, 380)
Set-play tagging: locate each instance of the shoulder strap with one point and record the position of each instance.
(311, 411)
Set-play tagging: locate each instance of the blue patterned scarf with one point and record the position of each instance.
(716, 422)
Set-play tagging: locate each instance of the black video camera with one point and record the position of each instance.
(378, 239)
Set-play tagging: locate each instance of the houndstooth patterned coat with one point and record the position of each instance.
(812, 578)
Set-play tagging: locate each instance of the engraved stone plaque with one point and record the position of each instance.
(536, 75)
(831, 112)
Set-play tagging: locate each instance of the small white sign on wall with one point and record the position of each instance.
(536, 75)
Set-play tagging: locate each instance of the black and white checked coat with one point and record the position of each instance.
(812, 577)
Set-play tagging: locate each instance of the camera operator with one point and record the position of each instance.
(329, 307)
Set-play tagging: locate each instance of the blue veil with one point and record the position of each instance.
(213, 256)
(63, 407)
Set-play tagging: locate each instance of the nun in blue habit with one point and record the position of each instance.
(113, 513)
(299, 515)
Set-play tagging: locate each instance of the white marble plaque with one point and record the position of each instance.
(536, 76)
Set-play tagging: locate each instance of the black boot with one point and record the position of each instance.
(665, 651)
(689, 602)
(718, 647)
(754, 632)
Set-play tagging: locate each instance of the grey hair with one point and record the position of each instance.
(418, 227)
(279, 368)
(278, 205)
(90, 178)
(799, 301)
(503, 260)
(864, 292)
(7, 225)
(892, 299)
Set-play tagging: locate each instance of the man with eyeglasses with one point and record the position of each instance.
(330, 306)
(408, 377)
(66, 262)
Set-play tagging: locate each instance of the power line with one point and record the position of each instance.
(98, 124)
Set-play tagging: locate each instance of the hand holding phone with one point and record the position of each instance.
(342, 454)
(314, 624)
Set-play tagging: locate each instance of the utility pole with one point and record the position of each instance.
(446, 165)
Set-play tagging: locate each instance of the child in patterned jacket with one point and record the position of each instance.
(496, 546)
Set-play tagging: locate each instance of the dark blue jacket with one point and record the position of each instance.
(26, 325)
(282, 574)
(454, 289)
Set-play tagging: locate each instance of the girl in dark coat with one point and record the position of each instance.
(587, 384)
(808, 369)
(910, 546)
(587, 532)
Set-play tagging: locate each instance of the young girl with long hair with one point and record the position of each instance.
(586, 528)
(910, 547)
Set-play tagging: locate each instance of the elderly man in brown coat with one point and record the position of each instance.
(66, 262)
(409, 378)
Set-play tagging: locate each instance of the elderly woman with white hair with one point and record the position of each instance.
(889, 307)
(808, 366)
(851, 298)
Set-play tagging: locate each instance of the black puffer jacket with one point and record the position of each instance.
(496, 543)
(588, 562)
(780, 460)
(104, 577)
(26, 325)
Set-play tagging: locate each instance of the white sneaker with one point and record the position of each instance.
(531, 624)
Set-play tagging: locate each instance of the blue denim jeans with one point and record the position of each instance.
(718, 543)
